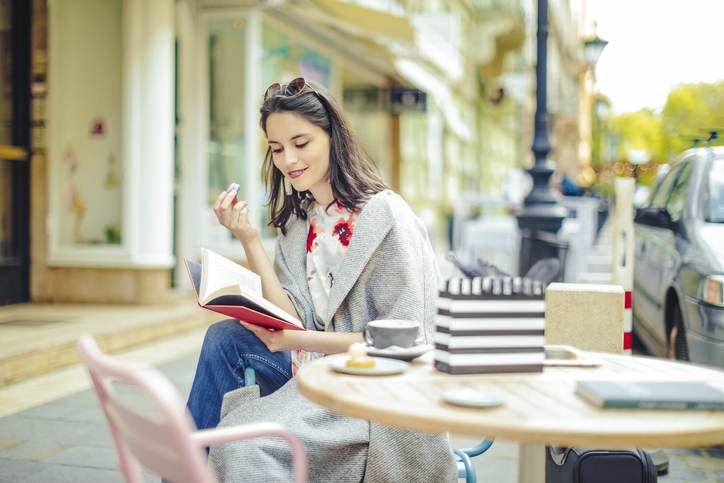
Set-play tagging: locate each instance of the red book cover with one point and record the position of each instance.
(251, 316)
(238, 311)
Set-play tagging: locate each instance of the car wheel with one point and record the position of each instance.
(678, 348)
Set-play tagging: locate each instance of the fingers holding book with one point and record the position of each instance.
(274, 340)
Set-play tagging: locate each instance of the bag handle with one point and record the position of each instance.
(558, 454)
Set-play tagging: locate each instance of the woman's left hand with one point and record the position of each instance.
(274, 340)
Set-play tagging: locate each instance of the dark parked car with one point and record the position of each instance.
(678, 304)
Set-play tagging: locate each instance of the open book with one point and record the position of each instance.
(230, 289)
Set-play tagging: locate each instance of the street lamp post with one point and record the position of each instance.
(541, 210)
(593, 48)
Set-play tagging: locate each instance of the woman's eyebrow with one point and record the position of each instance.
(297, 136)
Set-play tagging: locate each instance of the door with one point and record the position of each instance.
(649, 250)
(14, 151)
(674, 244)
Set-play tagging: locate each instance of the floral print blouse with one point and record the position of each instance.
(330, 232)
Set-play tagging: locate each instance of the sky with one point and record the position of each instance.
(654, 45)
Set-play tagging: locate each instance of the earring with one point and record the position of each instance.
(288, 188)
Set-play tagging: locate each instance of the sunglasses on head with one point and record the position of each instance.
(293, 88)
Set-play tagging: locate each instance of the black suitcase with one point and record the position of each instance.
(580, 465)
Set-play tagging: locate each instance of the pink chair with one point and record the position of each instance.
(166, 443)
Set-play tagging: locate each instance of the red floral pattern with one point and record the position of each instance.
(311, 236)
(329, 236)
(343, 231)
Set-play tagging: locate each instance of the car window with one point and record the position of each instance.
(714, 193)
(661, 193)
(677, 198)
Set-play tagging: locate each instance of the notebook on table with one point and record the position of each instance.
(663, 395)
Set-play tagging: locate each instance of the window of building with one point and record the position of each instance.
(286, 56)
(87, 123)
(227, 136)
(365, 107)
(414, 155)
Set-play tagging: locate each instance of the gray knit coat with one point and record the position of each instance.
(388, 272)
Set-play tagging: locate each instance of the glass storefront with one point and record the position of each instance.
(285, 54)
(285, 58)
(414, 156)
(227, 138)
(366, 108)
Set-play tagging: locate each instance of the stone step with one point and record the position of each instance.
(39, 338)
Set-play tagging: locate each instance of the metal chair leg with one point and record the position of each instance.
(463, 458)
(249, 376)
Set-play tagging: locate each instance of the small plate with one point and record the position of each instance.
(471, 398)
(399, 353)
(383, 367)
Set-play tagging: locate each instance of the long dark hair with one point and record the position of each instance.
(352, 173)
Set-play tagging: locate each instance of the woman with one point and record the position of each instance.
(349, 251)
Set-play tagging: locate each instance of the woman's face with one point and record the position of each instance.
(300, 150)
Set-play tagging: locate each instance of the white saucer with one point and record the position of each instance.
(402, 354)
(383, 367)
(471, 398)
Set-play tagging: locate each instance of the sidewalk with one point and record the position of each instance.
(38, 338)
(65, 438)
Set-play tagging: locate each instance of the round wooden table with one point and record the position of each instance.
(539, 409)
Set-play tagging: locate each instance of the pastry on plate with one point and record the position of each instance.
(358, 357)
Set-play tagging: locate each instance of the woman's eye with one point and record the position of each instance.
(300, 146)
(276, 151)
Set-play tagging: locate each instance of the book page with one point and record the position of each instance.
(226, 282)
(220, 273)
(194, 271)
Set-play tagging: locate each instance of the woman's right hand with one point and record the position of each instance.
(234, 215)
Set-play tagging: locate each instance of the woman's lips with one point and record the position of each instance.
(297, 173)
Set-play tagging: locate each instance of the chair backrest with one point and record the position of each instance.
(545, 270)
(160, 441)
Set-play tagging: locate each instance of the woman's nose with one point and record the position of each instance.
(290, 157)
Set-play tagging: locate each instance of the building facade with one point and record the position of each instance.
(141, 112)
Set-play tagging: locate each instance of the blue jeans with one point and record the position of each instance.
(228, 349)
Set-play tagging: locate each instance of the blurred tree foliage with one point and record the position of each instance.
(691, 110)
(639, 130)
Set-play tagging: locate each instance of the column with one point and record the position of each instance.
(148, 90)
